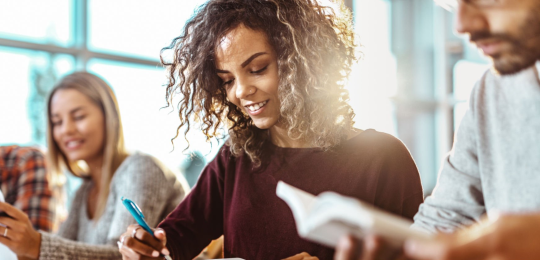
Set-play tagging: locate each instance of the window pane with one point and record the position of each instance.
(466, 74)
(25, 80)
(373, 79)
(139, 28)
(40, 21)
(147, 127)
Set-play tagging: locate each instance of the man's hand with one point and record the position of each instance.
(17, 232)
(507, 237)
(372, 248)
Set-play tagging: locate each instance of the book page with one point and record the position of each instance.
(329, 216)
(299, 201)
(360, 218)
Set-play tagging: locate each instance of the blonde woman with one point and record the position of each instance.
(84, 126)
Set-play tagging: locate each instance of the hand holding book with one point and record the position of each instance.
(328, 217)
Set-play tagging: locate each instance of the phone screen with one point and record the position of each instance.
(2, 214)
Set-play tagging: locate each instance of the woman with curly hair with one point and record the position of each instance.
(273, 73)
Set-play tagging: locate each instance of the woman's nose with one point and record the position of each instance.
(244, 89)
(68, 127)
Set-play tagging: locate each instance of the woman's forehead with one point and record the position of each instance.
(239, 43)
(66, 100)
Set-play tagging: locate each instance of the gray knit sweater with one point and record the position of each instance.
(494, 165)
(140, 178)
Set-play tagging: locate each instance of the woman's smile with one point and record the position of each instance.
(256, 108)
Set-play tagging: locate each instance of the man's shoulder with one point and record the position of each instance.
(493, 80)
(19, 151)
(493, 88)
(13, 155)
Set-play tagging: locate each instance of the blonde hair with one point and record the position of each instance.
(114, 152)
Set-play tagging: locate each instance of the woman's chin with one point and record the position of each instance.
(264, 124)
(73, 158)
(77, 157)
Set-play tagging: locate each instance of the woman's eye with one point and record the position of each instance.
(259, 71)
(225, 83)
(56, 123)
(79, 117)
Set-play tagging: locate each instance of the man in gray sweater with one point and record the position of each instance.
(492, 175)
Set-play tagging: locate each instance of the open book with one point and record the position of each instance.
(329, 216)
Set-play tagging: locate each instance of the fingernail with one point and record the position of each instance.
(165, 251)
(370, 242)
(410, 246)
(155, 253)
(344, 243)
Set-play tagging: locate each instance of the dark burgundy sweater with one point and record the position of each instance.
(233, 200)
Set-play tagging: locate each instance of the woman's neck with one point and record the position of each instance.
(95, 167)
(281, 138)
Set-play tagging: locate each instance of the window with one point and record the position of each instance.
(466, 74)
(41, 41)
(136, 28)
(148, 127)
(26, 76)
(373, 79)
(43, 21)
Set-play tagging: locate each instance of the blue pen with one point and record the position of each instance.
(139, 217)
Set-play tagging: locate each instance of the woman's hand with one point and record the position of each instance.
(19, 235)
(136, 243)
(302, 256)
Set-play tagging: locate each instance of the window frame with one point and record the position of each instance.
(79, 50)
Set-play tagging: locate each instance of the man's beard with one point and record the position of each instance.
(517, 59)
(525, 45)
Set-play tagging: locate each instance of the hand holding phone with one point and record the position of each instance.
(3, 214)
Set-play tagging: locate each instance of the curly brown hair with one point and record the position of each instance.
(315, 49)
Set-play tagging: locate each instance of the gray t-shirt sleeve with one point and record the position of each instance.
(457, 200)
(55, 247)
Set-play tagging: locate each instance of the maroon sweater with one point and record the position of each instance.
(233, 200)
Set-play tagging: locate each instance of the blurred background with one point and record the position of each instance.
(413, 82)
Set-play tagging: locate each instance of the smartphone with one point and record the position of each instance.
(3, 214)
